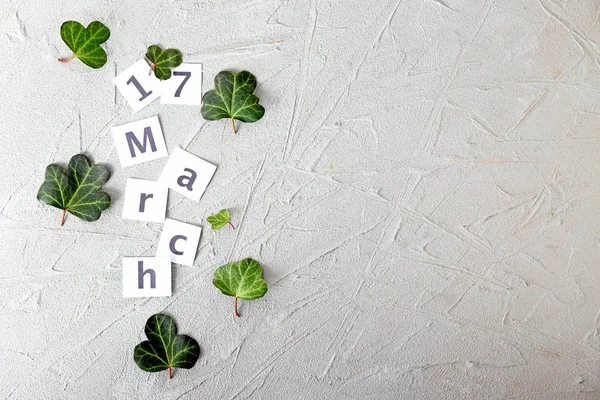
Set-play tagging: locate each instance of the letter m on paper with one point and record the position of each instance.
(142, 147)
(139, 141)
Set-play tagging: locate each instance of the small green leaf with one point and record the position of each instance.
(232, 98)
(219, 220)
(241, 280)
(163, 60)
(76, 190)
(85, 42)
(165, 349)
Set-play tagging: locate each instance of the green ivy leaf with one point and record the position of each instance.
(165, 349)
(232, 98)
(219, 220)
(77, 189)
(163, 60)
(85, 42)
(241, 280)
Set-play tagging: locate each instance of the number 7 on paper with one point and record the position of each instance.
(184, 86)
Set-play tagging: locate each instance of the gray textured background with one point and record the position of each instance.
(422, 192)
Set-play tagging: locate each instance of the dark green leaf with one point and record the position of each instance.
(219, 220)
(165, 349)
(241, 280)
(76, 190)
(232, 98)
(163, 60)
(85, 42)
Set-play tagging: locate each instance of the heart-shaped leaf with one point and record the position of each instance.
(163, 60)
(241, 280)
(85, 42)
(219, 220)
(232, 98)
(76, 190)
(165, 349)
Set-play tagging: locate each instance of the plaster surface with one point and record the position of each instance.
(422, 193)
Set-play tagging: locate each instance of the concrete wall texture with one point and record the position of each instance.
(422, 194)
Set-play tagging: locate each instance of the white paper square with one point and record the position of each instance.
(158, 268)
(179, 241)
(138, 88)
(139, 141)
(184, 86)
(145, 200)
(187, 174)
